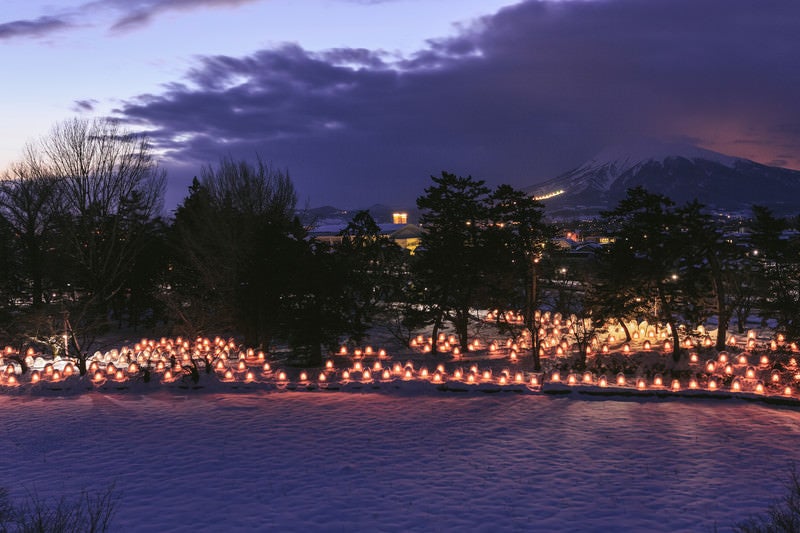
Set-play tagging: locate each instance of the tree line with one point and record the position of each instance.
(84, 250)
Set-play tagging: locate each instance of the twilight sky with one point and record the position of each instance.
(362, 100)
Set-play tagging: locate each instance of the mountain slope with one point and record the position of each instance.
(681, 172)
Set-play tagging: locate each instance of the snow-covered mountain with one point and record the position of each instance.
(680, 171)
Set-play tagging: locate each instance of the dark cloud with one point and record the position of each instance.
(138, 13)
(33, 28)
(130, 14)
(84, 106)
(517, 97)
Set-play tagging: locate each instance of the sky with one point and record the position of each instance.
(363, 100)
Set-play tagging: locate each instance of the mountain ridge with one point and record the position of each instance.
(680, 171)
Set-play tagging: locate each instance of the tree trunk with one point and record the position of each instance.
(625, 329)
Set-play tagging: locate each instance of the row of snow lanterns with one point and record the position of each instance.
(658, 383)
(445, 343)
(407, 372)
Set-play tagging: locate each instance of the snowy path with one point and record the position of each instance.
(344, 462)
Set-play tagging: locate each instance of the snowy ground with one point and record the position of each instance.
(338, 461)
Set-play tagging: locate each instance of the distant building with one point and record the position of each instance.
(400, 218)
(406, 236)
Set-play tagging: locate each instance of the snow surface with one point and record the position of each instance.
(413, 461)
(627, 156)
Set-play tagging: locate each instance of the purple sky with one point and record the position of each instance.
(517, 96)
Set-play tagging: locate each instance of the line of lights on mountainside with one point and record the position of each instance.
(549, 195)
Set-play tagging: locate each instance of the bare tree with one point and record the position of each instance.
(108, 188)
(27, 201)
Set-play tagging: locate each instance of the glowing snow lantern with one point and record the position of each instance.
(119, 375)
(513, 356)
(220, 364)
(787, 390)
(693, 383)
(12, 379)
(457, 374)
(760, 388)
(750, 373)
(261, 356)
(635, 335)
(408, 374)
(249, 376)
(605, 348)
(776, 377)
(693, 358)
(281, 376)
(731, 341)
(710, 366)
(368, 350)
(329, 364)
(386, 374)
(602, 381)
(646, 345)
(471, 378)
(773, 345)
(346, 375)
(357, 366)
(266, 367)
(729, 369)
(357, 352)
(736, 386)
(555, 376)
(620, 379)
(751, 343)
(168, 374)
(688, 343)
(572, 379)
(381, 353)
(229, 374)
(456, 351)
(641, 384)
(612, 339)
(676, 385)
(667, 346)
(626, 348)
(588, 350)
(303, 376)
(534, 381)
(35, 376)
(518, 377)
(658, 381)
(712, 384)
(587, 377)
(423, 372)
(367, 375)
(742, 359)
(503, 380)
(493, 347)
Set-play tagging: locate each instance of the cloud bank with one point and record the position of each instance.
(517, 97)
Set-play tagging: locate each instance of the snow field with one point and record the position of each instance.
(292, 461)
